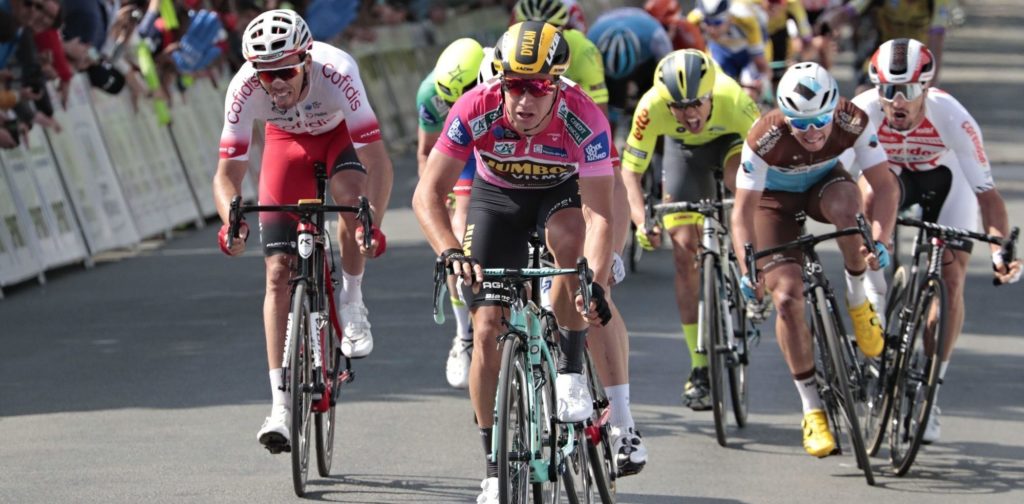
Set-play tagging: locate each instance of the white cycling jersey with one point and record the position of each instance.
(336, 95)
(948, 136)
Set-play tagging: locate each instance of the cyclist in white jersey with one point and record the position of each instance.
(316, 110)
(936, 149)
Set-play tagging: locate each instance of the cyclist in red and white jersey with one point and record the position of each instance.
(316, 110)
(543, 152)
(936, 149)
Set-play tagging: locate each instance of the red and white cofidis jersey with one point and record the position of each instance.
(576, 141)
(948, 136)
(336, 94)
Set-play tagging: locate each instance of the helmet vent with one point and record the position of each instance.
(804, 91)
(898, 64)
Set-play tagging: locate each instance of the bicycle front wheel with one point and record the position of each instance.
(325, 421)
(300, 370)
(880, 373)
(738, 357)
(843, 368)
(713, 338)
(918, 376)
(512, 425)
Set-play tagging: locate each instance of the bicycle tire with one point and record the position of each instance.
(596, 441)
(325, 422)
(548, 490)
(880, 375)
(635, 250)
(300, 374)
(575, 471)
(511, 426)
(738, 358)
(841, 367)
(917, 379)
(714, 343)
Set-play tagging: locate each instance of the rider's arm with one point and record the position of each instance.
(993, 214)
(969, 147)
(635, 194)
(885, 203)
(240, 104)
(380, 177)
(227, 183)
(596, 195)
(750, 183)
(424, 143)
(438, 177)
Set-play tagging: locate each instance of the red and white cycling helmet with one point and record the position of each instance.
(902, 61)
(275, 35)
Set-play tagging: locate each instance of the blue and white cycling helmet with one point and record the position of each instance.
(807, 90)
(620, 50)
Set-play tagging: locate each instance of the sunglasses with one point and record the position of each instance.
(715, 21)
(685, 104)
(284, 73)
(805, 123)
(889, 92)
(536, 87)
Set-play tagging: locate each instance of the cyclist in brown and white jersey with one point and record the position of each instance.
(790, 164)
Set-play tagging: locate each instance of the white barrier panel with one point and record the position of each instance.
(32, 174)
(151, 175)
(198, 148)
(18, 260)
(91, 183)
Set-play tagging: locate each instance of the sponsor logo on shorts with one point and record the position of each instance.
(457, 133)
(597, 149)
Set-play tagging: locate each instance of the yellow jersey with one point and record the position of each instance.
(585, 66)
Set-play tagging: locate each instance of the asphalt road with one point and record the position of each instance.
(143, 379)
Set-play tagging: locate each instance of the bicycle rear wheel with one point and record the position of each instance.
(325, 421)
(300, 370)
(843, 367)
(738, 358)
(595, 442)
(547, 488)
(918, 377)
(713, 338)
(512, 425)
(880, 373)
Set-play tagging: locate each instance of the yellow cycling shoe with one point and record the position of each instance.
(818, 439)
(867, 329)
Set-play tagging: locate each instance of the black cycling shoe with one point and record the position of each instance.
(697, 391)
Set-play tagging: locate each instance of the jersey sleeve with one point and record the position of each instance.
(595, 155)
(868, 148)
(970, 151)
(359, 116)
(243, 97)
(430, 119)
(636, 156)
(455, 141)
(752, 29)
(753, 172)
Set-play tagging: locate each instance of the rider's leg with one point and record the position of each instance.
(685, 241)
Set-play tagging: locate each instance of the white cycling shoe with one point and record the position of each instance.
(357, 341)
(488, 491)
(274, 435)
(457, 367)
(628, 449)
(573, 394)
(933, 430)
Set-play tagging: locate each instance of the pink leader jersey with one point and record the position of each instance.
(336, 94)
(576, 141)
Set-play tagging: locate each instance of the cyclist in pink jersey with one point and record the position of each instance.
(316, 110)
(543, 154)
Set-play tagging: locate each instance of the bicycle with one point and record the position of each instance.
(533, 450)
(839, 374)
(652, 190)
(906, 375)
(312, 351)
(722, 321)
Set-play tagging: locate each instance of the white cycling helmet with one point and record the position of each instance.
(902, 61)
(275, 35)
(713, 8)
(807, 90)
(486, 72)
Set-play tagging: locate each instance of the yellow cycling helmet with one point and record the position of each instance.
(457, 68)
(684, 75)
(532, 47)
(550, 11)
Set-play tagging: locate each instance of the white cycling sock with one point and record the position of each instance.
(618, 400)
(279, 396)
(875, 287)
(461, 319)
(351, 288)
(855, 295)
(808, 389)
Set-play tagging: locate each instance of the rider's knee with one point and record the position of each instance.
(279, 271)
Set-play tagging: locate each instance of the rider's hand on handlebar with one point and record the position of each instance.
(378, 242)
(648, 240)
(878, 259)
(750, 291)
(600, 311)
(458, 264)
(237, 244)
(1005, 273)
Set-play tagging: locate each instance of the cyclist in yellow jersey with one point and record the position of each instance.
(609, 345)
(779, 41)
(735, 39)
(921, 20)
(704, 115)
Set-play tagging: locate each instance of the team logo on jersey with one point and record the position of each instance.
(480, 124)
(767, 141)
(426, 116)
(873, 141)
(852, 123)
(748, 167)
(640, 124)
(440, 105)
(550, 151)
(528, 172)
(505, 133)
(504, 148)
(979, 150)
(457, 133)
(636, 152)
(597, 149)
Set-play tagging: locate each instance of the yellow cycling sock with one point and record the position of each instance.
(696, 360)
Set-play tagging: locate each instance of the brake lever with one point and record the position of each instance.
(440, 288)
(366, 220)
(234, 220)
(586, 277)
(1009, 251)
